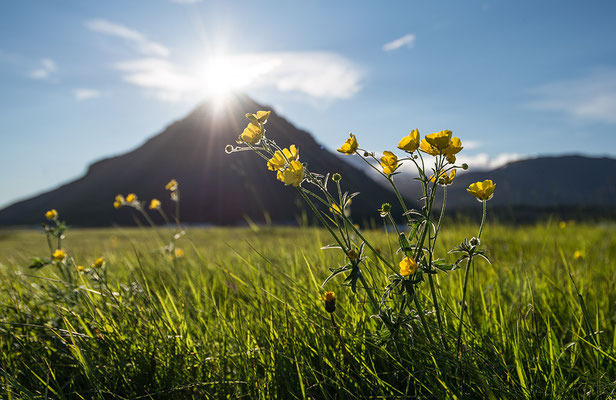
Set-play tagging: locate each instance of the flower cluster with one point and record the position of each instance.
(131, 200)
(418, 261)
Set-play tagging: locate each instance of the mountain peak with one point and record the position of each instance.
(216, 187)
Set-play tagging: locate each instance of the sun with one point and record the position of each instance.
(219, 76)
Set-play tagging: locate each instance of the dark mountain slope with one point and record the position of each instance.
(215, 187)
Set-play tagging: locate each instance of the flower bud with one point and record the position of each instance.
(475, 242)
(330, 301)
(336, 177)
(465, 166)
(352, 254)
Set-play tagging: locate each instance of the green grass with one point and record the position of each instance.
(240, 317)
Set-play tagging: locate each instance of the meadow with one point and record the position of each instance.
(240, 315)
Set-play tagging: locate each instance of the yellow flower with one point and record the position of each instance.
(252, 133)
(408, 266)
(155, 204)
(451, 159)
(454, 147)
(119, 200)
(172, 185)
(131, 198)
(336, 209)
(51, 214)
(428, 148)
(330, 301)
(440, 140)
(562, 224)
(350, 146)
(444, 179)
(279, 161)
(389, 162)
(80, 268)
(578, 254)
(260, 117)
(98, 263)
(482, 190)
(59, 255)
(410, 143)
(293, 174)
(178, 253)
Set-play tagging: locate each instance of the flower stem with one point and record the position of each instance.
(464, 287)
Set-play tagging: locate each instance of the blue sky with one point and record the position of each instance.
(83, 80)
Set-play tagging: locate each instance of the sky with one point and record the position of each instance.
(83, 80)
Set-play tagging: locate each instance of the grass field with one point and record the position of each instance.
(240, 316)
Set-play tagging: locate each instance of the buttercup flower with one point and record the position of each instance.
(445, 179)
(389, 162)
(330, 301)
(335, 209)
(154, 204)
(131, 198)
(428, 148)
(577, 255)
(454, 147)
(260, 117)
(293, 174)
(59, 255)
(407, 266)
(451, 158)
(51, 214)
(410, 143)
(252, 133)
(98, 263)
(350, 146)
(119, 200)
(440, 140)
(482, 190)
(178, 253)
(172, 185)
(278, 161)
(80, 268)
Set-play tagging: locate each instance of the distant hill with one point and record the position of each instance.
(216, 188)
(566, 186)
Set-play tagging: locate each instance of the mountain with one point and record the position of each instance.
(215, 187)
(569, 186)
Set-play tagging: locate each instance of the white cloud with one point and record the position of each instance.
(483, 161)
(406, 40)
(45, 70)
(136, 38)
(590, 98)
(320, 75)
(471, 144)
(82, 94)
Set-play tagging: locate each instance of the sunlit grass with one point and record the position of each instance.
(240, 315)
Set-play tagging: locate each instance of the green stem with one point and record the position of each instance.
(465, 285)
(375, 304)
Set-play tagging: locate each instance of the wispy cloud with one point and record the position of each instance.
(404, 41)
(320, 75)
(136, 38)
(591, 98)
(46, 68)
(82, 94)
